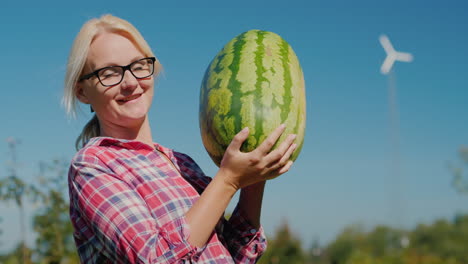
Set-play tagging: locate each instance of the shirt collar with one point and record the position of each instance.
(139, 146)
(123, 143)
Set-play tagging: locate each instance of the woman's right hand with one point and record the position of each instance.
(241, 169)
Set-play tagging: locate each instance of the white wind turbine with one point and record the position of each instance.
(395, 180)
(392, 55)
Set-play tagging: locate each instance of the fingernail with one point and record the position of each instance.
(293, 136)
(245, 129)
(282, 125)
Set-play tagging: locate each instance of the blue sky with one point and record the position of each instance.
(343, 175)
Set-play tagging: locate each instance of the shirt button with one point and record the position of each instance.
(246, 239)
(253, 231)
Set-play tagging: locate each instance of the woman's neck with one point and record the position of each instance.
(139, 132)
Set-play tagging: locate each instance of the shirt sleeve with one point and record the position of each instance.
(245, 243)
(124, 228)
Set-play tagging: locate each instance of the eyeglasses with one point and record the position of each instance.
(113, 75)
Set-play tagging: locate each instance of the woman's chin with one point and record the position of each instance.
(137, 117)
(131, 118)
(134, 112)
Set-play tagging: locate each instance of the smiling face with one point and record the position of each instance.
(125, 104)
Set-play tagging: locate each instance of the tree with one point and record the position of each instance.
(54, 243)
(17, 255)
(442, 239)
(340, 250)
(316, 253)
(442, 242)
(13, 188)
(52, 223)
(460, 176)
(284, 248)
(1, 231)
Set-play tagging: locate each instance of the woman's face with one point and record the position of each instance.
(126, 103)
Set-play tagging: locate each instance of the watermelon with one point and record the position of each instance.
(255, 81)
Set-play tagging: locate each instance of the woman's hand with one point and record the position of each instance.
(241, 169)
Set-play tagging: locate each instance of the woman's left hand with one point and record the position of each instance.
(243, 169)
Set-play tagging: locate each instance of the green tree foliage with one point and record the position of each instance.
(13, 188)
(442, 242)
(315, 252)
(460, 174)
(345, 244)
(51, 222)
(284, 248)
(54, 243)
(443, 239)
(18, 255)
(1, 232)
(355, 243)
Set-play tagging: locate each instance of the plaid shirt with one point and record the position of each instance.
(128, 204)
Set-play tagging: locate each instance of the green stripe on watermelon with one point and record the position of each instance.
(235, 85)
(257, 133)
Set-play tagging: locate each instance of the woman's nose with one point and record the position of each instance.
(129, 81)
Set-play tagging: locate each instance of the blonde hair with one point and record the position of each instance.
(77, 60)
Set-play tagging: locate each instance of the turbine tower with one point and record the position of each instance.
(395, 182)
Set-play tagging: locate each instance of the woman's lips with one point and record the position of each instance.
(129, 98)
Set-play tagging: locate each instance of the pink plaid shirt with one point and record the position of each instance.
(127, 205)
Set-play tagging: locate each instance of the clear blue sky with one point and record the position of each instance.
(343, 175)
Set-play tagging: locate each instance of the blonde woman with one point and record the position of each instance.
(135, 201)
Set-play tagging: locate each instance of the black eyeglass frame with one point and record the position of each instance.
(124, 68)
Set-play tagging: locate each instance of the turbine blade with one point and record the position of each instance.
(403, 56)
(385, 42)
(387, 65)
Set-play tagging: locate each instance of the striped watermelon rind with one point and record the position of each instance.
(255, 81)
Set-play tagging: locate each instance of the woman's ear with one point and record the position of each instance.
(80, 93)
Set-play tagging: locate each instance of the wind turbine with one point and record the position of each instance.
(395, 180)
(392, 55)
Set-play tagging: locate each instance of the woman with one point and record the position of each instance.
(135, 201)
